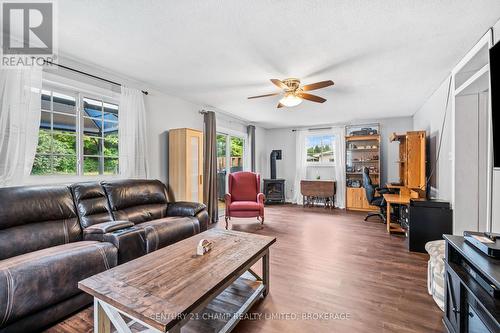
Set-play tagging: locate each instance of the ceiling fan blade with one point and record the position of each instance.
(317, 85)
(310, 97)
(279, 105)
(279, 84)
(273, 94)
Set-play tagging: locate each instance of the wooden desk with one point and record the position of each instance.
(399, 199)
(403, 190)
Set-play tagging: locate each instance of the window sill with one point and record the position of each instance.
(62, 179)
(321, 165)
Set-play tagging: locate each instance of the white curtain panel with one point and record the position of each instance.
(300, 164)
(132, 134)
(339, 133)
(20, 108)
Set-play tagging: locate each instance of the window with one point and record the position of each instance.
(320, 149)
(100, 137)
(78, 135)
(56, 151)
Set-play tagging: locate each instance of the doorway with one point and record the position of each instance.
(472, 141)
(230, 159)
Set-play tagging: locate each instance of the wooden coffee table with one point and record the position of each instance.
(173, 287)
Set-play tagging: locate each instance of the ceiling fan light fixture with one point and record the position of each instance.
(291, 100)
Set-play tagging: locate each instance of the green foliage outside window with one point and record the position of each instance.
(56, 153)
(236, 147)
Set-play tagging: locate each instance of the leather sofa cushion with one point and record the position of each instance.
(91, 203)
(169, 230)
(37, 280)
(42, 319)
(137, 200)
(36, 217)
(244, 205)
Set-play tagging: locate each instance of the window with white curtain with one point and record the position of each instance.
(78, 134)
(320, 149)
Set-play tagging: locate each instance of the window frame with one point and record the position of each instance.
(79, 94)
(81, 154)
(321, 164)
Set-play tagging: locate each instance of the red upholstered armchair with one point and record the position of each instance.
(244, 198)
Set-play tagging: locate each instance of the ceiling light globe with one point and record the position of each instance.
(291, 100)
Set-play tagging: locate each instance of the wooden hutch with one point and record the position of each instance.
(412, 178)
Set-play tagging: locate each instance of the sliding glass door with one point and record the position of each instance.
(230, 159)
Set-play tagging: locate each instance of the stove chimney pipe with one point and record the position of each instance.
(275, 155)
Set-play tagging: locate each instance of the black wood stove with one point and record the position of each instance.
(274, 189)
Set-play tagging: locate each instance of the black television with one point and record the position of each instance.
(495, 101)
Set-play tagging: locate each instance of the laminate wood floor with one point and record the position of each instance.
(330, 272)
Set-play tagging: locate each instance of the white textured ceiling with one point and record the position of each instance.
(385, 56)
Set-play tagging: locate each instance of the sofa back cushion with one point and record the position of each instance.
(36, 217)
(137, 200)
(91, 203)
(244, 186)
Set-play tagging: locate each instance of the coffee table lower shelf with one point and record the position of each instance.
(221, 314)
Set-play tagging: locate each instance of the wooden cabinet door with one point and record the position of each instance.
(415, 159)
(194, 156)
(354, 199)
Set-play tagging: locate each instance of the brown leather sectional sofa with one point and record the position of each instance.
(51, 237)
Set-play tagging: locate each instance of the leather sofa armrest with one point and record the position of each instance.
(184, 208)
(130, 240)
(260, 198)
(103, 228)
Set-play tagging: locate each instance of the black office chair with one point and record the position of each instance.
(379, 201)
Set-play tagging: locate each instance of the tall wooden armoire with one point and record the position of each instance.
(411, 162)
(185, 164)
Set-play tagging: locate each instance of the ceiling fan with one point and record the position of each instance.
(294, 94)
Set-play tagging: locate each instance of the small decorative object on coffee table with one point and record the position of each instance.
(203, 247)
(173, 287)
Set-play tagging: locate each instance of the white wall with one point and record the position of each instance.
(165, 112)
(261, 151)
(284, 139)
(430, 118)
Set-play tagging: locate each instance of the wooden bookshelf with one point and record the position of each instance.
(361, 151)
